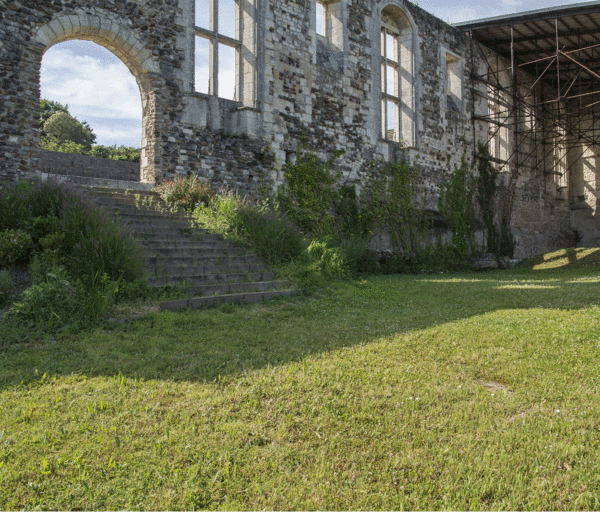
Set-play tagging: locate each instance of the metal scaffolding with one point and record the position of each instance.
(541, 82)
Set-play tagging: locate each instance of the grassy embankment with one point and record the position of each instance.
(446, 391)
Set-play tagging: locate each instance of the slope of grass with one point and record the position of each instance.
(474, 391)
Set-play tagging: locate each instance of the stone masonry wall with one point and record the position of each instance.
(295, 88)
(66, 164)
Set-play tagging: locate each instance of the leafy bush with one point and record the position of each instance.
(58, 301)
(97, 243)
(255, 224)
(330, 261)
(65, 221)
(185, 192)
(15, 247)
(308, 192)
(6, 286)
(52, 303)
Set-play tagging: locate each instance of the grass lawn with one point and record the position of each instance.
(476, 391)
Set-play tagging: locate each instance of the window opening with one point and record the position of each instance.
(321, 22)
(218, 48)
(453, 83)
(498, 131)
(397, 94)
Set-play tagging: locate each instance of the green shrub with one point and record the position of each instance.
(255, 224)
(308, 192)
(15, 247)
(52, 303)
(330, 261)
(56, 300)
(97, 243)
(185, 192)
(6, 286)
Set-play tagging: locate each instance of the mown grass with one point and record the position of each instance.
(475, 391)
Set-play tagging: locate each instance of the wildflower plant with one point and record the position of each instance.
(186, 193)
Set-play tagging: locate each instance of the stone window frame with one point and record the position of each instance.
(453, 80)
(330, 49)
(404, 65)
(333, 17)
(215, 38)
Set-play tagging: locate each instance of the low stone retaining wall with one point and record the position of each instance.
(67, 164)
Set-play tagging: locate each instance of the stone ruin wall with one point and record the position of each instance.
(299, 87)
(67, 164)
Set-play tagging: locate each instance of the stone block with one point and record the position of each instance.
(174, 304)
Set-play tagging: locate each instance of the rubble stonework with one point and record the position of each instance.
(67, 164)
(296, 87)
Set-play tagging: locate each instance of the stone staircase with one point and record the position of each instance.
(210, 269)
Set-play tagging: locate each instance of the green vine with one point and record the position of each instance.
(308, 191)
(393, 206)
(455, 204)
(486, 192)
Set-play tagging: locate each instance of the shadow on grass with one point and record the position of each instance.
(565, 259)
(209, 345)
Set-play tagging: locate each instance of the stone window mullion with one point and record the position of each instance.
(214, 49)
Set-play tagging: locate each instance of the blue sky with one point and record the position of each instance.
(99, 88)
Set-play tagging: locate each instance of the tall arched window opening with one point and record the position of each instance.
(397, 77)
(98, 89)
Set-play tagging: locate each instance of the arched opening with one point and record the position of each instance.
(397, 77)
(101, 92)
(110, 33)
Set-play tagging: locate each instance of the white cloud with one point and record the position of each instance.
(99, 89)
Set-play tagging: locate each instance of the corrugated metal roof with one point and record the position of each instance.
(571, 32)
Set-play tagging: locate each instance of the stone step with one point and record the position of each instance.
(185, 243)
(157, 223)
(176, 238)
(123, 192)
(209, 268)
(215, 300)
(135, 212)
(104, 183)
(175, 260)
(204, 279)
(203, 290)
(192, 252)
(192, 234)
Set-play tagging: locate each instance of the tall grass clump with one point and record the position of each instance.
(254, 224)
(97, 244)
(77, 253)
(68, 227)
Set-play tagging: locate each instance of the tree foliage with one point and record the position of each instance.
(62, 127)
(63, 133)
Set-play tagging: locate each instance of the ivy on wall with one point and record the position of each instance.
(455, 204)
(394, 207)
(392, 202)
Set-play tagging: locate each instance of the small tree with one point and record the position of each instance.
(47, 109)
(62, 127)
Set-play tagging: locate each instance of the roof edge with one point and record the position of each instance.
(549, 12)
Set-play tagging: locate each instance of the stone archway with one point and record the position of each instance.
(109, 31)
